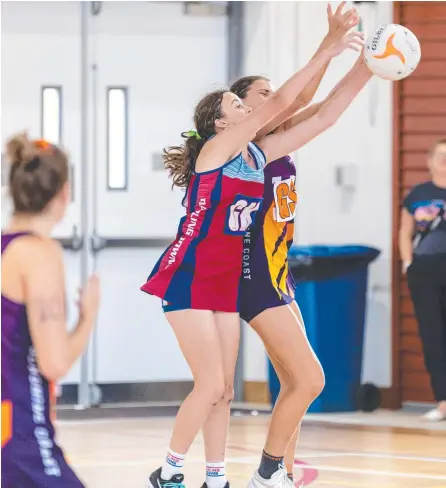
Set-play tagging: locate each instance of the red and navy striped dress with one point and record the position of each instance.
(202, 267)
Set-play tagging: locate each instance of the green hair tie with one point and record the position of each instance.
(193, 133)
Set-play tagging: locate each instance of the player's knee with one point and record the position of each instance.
(211, 391)
(316, 382)
(286, 384)
(310, 384)
(217, 394)
(228, 395)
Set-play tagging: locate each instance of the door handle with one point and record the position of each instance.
(74, 243)
(97, 243)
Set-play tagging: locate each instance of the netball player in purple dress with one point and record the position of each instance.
(36, 347)
(267, 286)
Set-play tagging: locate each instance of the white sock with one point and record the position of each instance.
(173, 465)
(215, 475)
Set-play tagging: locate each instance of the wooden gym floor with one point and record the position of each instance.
(119, 453)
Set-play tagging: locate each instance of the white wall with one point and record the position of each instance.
(280, 38)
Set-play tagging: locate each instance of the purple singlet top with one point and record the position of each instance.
(266, 281)
(30, 456)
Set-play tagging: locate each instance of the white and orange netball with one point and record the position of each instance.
(392, 52)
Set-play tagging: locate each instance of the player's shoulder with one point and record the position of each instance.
(289, 161)
(32, 255)
(283, 165)
(38, 249)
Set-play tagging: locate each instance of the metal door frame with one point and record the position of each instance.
(236, 48)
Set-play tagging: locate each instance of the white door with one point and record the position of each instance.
(148, 65)
(152, 64)
(40, 53)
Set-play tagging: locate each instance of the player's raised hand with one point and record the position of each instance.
(352, 40)
(340, 23)
(89, 298)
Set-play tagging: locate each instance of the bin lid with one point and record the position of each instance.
(315, 263)
(320, 251)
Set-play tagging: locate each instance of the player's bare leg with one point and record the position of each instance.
(286, 341)
(215, 428)
(197, 335)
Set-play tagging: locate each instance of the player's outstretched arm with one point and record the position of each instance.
(314, 108)
(321, 116)
(339, 24)
(229, 142)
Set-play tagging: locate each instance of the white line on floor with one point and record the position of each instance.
(374, 472)
(372, 455)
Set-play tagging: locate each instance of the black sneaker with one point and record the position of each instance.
(206, 486)
(155, 481)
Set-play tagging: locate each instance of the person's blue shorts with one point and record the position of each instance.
(171, 307)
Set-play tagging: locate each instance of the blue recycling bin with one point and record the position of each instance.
(331, 293)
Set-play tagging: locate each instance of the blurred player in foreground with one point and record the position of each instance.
(36, 347)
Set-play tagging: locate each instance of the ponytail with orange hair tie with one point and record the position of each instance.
(42, 144)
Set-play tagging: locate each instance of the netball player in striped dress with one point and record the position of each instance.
(197, 277)
(36, 347)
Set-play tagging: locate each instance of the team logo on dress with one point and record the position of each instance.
(285, 198)
(241, 214)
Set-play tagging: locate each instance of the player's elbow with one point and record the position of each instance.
(53, 369)
(327, 119)
(281, 101)
(303, 100)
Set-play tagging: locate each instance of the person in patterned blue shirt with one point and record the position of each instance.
(423, 251)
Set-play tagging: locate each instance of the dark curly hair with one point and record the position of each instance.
(180, 160)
